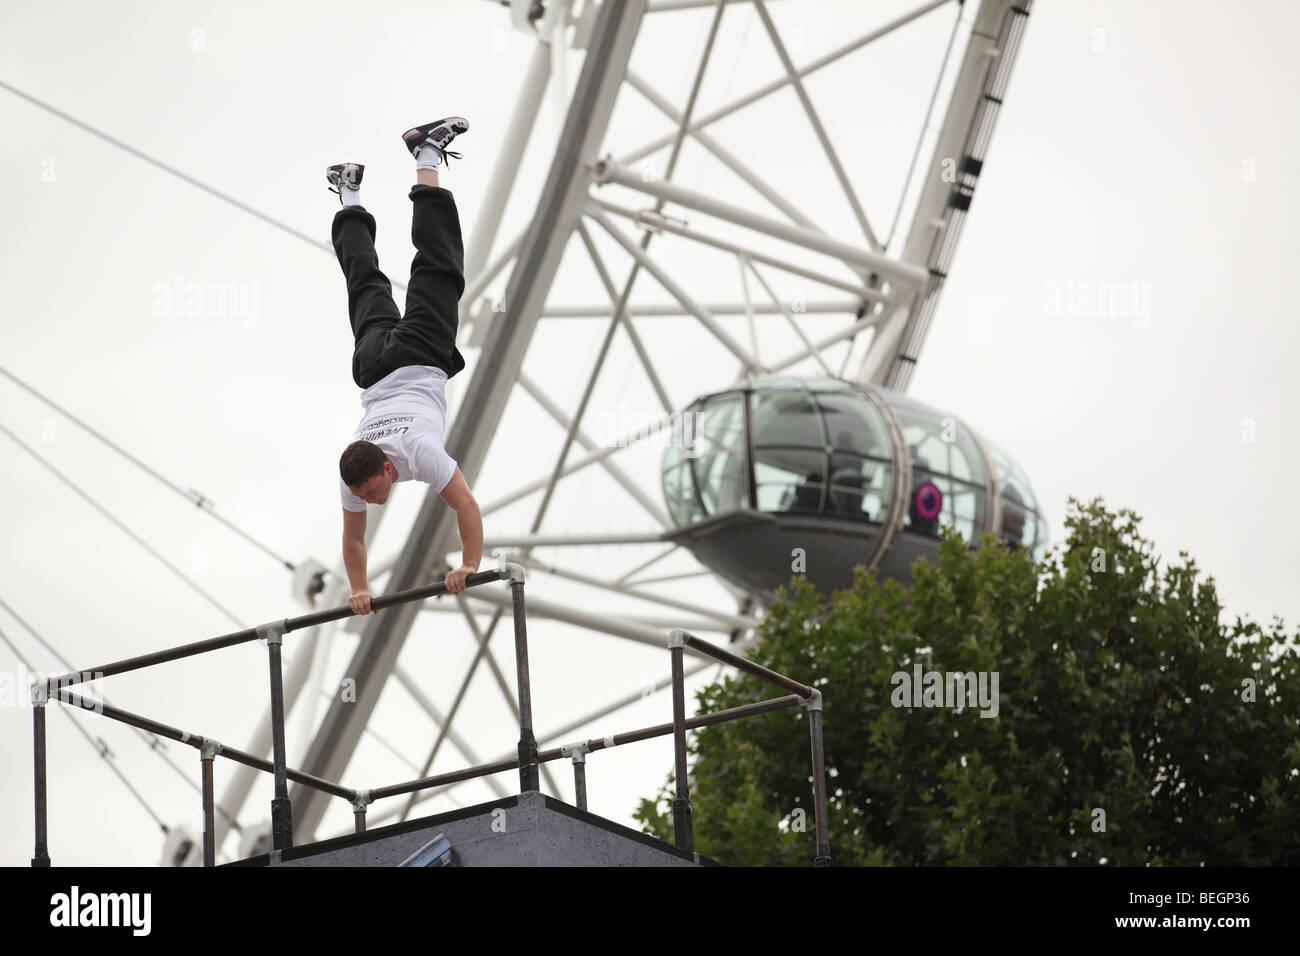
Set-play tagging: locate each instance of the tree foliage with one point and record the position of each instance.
(1120, 691)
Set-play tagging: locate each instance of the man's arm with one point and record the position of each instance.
(354, 559)
(470, 523)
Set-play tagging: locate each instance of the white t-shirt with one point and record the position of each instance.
(405, 414)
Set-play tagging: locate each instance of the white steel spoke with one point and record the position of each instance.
(661, 223)
(599, 264)
(616, 472)
(724, 111)
(817, 126)
(790, 318)
(718, 150)
(674, 289)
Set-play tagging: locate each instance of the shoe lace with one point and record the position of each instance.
(444, 153)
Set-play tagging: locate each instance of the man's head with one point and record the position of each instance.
(367, 471)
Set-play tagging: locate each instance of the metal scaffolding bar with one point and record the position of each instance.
(207, 753)
(281, 812)
(683, 833)
(255, 633)
(528, 778)
(601, 743)
(273, 633)
(196, 741)
(807, 697)
(41, 852)
(582, 721)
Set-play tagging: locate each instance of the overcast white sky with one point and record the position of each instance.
(1145, 144)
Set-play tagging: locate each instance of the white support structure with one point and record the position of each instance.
(944, 201)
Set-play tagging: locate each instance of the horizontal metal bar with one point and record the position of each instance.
(196, 741)
(557, 753)
(673, 310)
(563, 732)
(425, 783)
(401, 597)
(741, 663)
(704, 720)
(251, 634)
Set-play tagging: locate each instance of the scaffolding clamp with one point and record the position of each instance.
(209, 748)
(812, 702)
(273, 633)
(576, 752)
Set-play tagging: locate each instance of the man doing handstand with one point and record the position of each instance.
(402, 362)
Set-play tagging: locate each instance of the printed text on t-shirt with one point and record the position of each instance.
(378, 430)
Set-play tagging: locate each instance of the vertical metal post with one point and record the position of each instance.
(40, 695)
(281, 810)
(578, 754)
(360, 800)
(683, 835)
(580, 781)
(529, 776)
(814, 707)
(207, 753)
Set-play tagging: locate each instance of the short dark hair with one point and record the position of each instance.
(361, 461)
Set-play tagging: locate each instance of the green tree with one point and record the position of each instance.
(1120, 693)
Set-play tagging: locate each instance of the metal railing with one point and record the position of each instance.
(528, 759)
